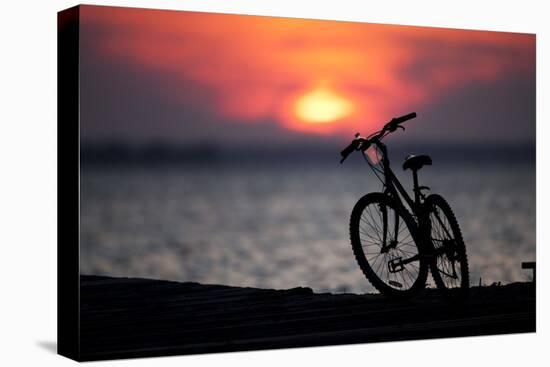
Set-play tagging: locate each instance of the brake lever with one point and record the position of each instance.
(392, 126)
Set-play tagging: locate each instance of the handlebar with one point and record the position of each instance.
(394, 123)
(360, 143)
(349, 149)
(400, 120)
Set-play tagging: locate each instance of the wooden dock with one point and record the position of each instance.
(125, 318)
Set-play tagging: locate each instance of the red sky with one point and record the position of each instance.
(252, 69)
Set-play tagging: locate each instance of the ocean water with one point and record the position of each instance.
(285, 225)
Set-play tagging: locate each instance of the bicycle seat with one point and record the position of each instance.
(415, 162)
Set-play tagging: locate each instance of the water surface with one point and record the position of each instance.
(285, 225)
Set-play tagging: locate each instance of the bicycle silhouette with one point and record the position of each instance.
(395, 248)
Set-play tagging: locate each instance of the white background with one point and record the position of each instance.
(28, 182)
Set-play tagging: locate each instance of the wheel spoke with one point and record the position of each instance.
(448, 246)
(400, 246)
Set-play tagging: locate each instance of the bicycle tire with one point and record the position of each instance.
(368, 264)
(439, 268)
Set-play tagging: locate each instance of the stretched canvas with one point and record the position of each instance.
(237, 182)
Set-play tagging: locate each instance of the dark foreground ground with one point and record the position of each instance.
(123, 318)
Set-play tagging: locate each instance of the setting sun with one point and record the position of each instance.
(321, 106)
(301, 76)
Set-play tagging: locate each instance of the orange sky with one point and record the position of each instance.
(263, 68)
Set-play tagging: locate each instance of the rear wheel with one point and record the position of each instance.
(383, 241)
(449, 264)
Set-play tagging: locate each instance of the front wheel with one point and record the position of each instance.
(383, 240)
(449, 264)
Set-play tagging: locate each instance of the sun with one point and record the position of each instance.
(322, 106)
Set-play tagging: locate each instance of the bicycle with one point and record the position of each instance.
(394, 247)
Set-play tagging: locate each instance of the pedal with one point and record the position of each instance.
(395, 284)
(396, 265)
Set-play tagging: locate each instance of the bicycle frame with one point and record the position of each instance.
(394, 187)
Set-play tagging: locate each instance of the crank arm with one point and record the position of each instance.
(411, 259)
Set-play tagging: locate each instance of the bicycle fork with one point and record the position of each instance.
(395, 264)
(392, 243)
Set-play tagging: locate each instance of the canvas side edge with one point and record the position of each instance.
(68, 283)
